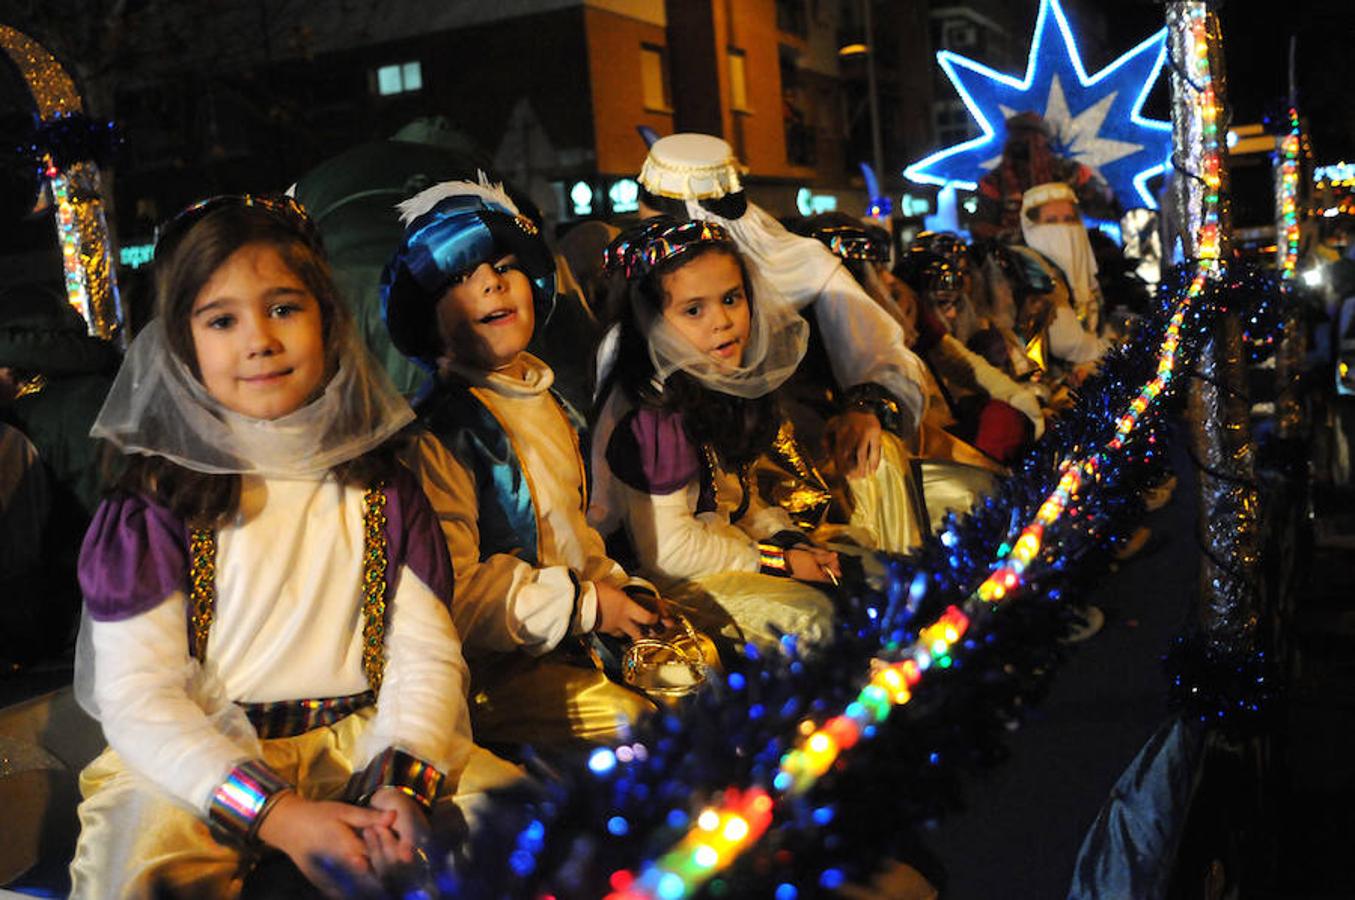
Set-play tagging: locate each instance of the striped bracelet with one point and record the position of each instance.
(402, 771)
(773, 559)
(239, 803)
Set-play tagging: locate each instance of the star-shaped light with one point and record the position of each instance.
(1096, 119)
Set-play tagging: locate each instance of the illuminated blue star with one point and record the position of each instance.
(1096, 119)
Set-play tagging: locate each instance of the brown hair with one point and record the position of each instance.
(738, 428)
(198, 498)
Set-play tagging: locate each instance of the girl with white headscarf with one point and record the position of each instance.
(688, 378)
(266, 640)
(877, 380)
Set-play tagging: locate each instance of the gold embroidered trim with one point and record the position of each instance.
(202, 583)
(374, 586)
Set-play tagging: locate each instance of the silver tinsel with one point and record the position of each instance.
(1219, 415)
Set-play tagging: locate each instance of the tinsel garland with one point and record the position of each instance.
(1225, 688)
(586, 829)
(72, 138)
(26, 145)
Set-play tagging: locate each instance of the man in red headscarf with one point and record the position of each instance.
(1028, 159)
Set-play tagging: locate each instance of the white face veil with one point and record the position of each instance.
(777, 339)
(157, 407)
(1067, 244)
(777, 336)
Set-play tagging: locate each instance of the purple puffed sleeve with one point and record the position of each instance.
(412, 530)
(135, 554)
(651, 452)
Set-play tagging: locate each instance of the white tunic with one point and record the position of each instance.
(287, 626)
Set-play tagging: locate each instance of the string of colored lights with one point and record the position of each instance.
(725, 830)
(1288, 244)
(68, 234)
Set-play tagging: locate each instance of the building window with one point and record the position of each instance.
(790, 17)
(953, 122)
(960, 36)
(398, 79)
(795, 111)
(738, 81)
(654, 77)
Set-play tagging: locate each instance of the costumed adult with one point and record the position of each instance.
(1060, 312)
(859, 390)
(1028, 159)
(1060, 305)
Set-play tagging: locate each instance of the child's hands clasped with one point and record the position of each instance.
(309, 830)
(810, 563)
(619, 615)
(397, 843)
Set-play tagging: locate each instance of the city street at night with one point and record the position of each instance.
(663, 449)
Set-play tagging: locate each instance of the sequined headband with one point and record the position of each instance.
(288, 211)
(638, 251)
(847, 242)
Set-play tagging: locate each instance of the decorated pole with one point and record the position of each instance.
(1290, 156)
(62, 153)
(1218, 408)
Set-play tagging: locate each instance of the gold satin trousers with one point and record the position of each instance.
(137, 842)
(557, 699)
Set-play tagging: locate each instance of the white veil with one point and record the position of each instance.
(157, 407)
(777, 339)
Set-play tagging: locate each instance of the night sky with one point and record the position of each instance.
(1256, 52)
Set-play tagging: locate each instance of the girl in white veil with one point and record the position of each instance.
(266, 641)
(688, 375)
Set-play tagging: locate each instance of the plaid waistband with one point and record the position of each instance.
(288, 718)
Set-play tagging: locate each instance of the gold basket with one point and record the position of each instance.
(672, 663)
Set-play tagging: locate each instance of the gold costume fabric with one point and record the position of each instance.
(952, 487)
(950, 474)
(881, 511)
(136, 842)
(751, 606)
(884, 507)
(933, 443)
(558, 698)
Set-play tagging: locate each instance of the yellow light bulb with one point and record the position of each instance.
(736, 829)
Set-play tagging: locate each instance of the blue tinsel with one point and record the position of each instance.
(583, 823)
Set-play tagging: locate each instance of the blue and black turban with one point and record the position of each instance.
(455, 236)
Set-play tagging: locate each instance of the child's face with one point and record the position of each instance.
(946, 303)
(486, 318)
(707, 302)
(258, 335)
